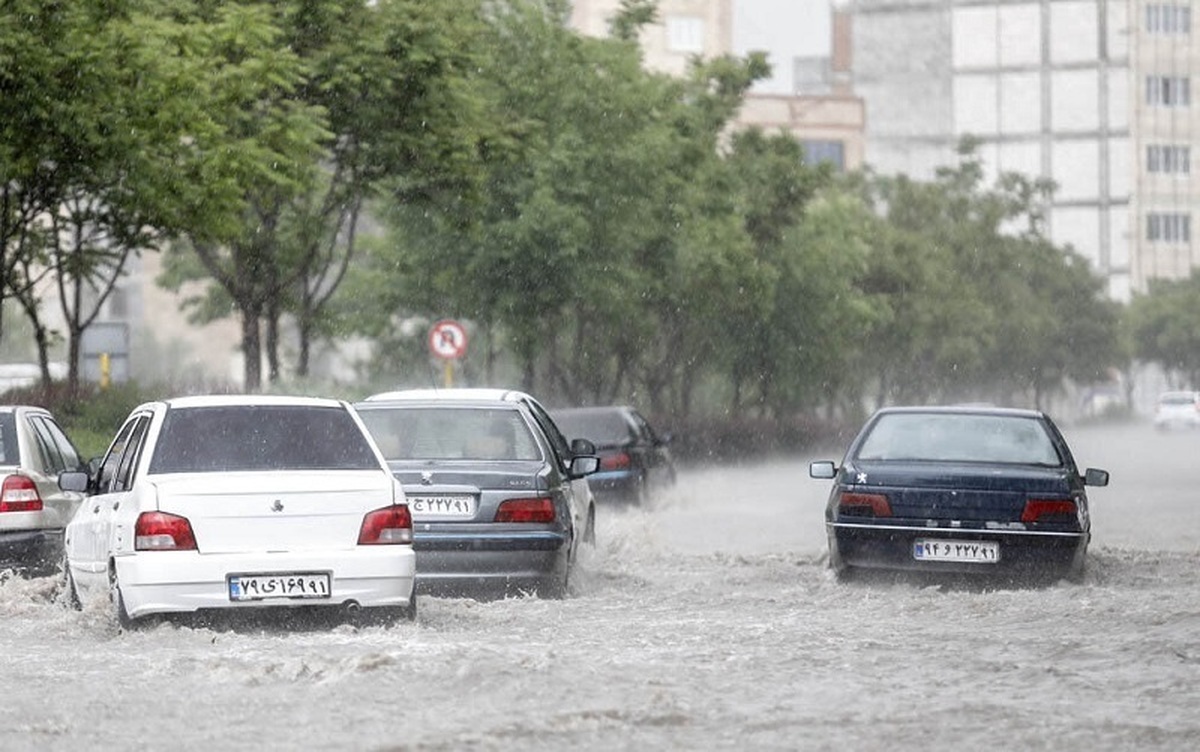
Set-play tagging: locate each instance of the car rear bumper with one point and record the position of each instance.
(1020, 552)
(450, 562)
(160, 582)
(623, 485)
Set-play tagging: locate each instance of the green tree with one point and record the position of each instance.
(1162, 323)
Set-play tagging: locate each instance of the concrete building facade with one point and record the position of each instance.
(1042, 84)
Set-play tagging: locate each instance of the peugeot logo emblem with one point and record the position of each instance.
(426, 478)
(277, 506)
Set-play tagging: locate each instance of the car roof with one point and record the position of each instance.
(1015, 412)
(250, 400)
(471, 395)
(592, 410)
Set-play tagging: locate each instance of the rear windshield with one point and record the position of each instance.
(10, 453)
(450, 433)
(598, 427)
(960, 438)
(261, 437)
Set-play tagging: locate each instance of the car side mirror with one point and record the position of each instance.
(74, 480)
(822, 470)
(1094, 477)
(582, 446)
(583, 466)
(664, 439)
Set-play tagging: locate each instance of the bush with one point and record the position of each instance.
(92, 415)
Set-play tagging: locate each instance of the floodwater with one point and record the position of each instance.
(708, 621)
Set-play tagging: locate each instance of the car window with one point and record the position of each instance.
(66, 448)
(123, 478)
(602, 427)
(261, 437)
(560, 445)
(10, 452)
(961, 438)
(112, 459)
(417, 433)
(53, 461)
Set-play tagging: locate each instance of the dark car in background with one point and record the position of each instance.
(635, 462)
(986, 491)
(34, 511)
(498, 496)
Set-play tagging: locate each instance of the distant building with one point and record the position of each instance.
(809, 94)
(1044, 85)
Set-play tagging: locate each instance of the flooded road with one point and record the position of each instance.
(706, 621)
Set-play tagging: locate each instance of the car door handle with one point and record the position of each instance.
(116, 505)
(96, 509)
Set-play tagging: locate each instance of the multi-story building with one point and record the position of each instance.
(808, 94)
(1165, 59)
(1042, 84)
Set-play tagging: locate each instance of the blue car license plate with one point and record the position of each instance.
(257, 587)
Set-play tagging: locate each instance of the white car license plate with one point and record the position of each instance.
(456, 505)
(257, 587)
(983, 552)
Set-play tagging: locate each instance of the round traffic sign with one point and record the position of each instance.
(448, 339)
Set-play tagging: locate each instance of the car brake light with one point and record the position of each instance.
(1049, 510)
(19, 494)
(159, 531)
(618, 461)
(864, 505)
(389, 525)
(540, 509)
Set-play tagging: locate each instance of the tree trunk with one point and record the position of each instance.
(272, 322)
(251, 350)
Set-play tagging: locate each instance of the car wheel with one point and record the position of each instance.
(641, 491)
(556, 589)
(124, 620)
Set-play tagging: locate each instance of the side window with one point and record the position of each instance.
(68, 451)
(123, 479)
(52, 459)
(113, 458)
(560, 445)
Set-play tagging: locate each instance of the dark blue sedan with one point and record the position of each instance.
(959, 489)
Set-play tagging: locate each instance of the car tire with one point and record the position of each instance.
(124, 620)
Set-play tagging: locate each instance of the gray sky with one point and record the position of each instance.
(785, 29)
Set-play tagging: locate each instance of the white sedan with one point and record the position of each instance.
(241, 502)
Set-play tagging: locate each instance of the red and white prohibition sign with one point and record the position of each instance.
(448, 339)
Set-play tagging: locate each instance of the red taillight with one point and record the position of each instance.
(159, 531)
(19, 494)
(618, 461)
(1049, 510)
(386, 526)
(864, 505)
(526, 510)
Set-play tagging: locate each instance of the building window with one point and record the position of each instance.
(685, 34)
(1168, 19)
(1168, 227)
(1171, 160)
(1168, 91)
(833, 152)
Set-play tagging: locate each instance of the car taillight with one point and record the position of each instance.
(1049, 510)
(19, 494)
(618, 461)
(389, 525)
(864, 505)
(540, 509)
(159, 531)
